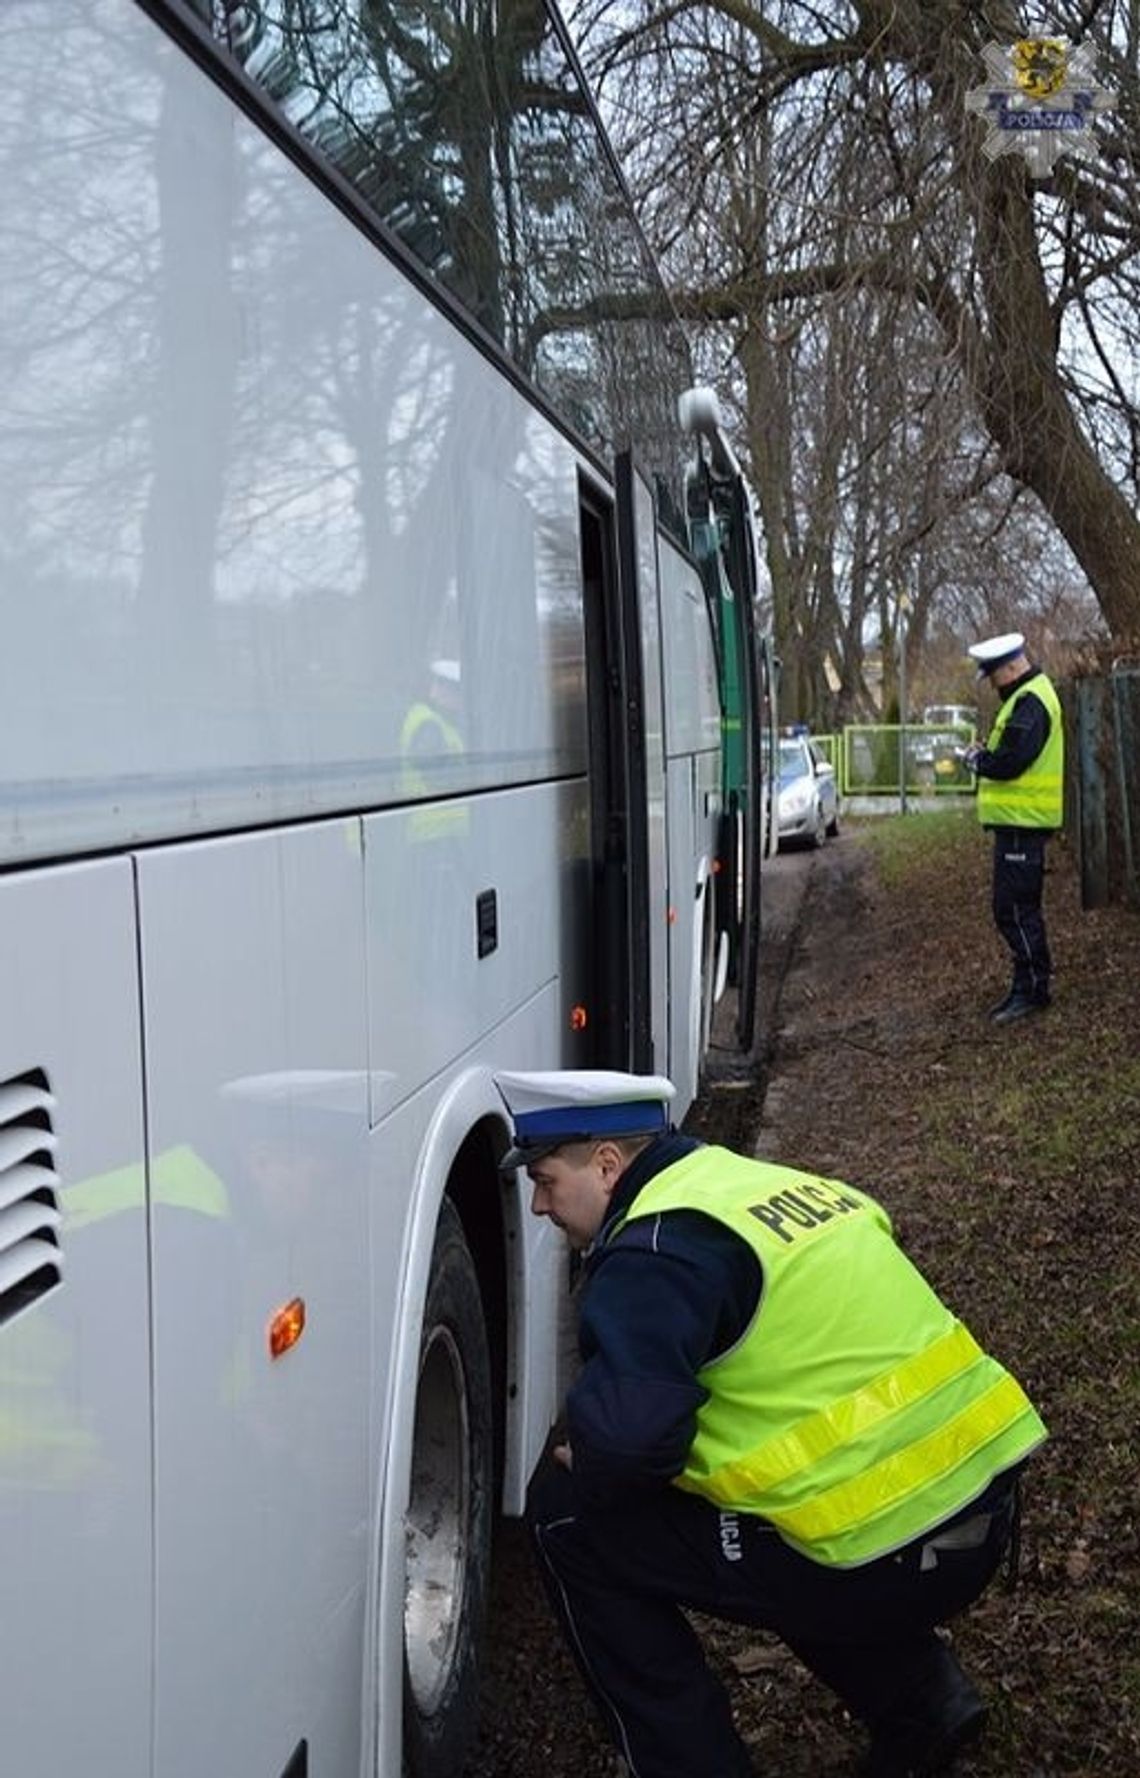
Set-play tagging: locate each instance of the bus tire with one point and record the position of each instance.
(448, 1526)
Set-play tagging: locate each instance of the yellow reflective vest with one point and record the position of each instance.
(1037, 797)
(855, 1412)
(440, 821)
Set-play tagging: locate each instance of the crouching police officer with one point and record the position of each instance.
(776, 1422)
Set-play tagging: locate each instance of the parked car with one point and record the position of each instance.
(950, 716)
(807, 801)
(932, 748)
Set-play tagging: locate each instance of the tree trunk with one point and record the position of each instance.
(1027, 410)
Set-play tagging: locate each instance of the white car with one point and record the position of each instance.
(807, 801)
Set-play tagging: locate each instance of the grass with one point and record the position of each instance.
(1010, 1161)
(906, 847)
(1068, 1117)
(1082, 1096)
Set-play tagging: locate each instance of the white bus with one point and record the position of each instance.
(359, 735)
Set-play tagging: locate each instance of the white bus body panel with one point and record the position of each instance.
(256, 1061)
(430, 994)
(269, 963)
(424, 870)
(692, 743)
(253, 483)
(75, 1513)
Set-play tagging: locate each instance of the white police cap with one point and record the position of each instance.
(996, 650)
(580, 1105)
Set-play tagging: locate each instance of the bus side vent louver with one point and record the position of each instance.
(31, 1264)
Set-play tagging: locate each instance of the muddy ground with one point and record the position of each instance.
(1011, 1165)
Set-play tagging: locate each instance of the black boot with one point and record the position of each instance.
(925, 1734)
(1019, 1006)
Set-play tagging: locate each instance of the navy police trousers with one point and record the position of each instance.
(1019, 877)
(618, 1580)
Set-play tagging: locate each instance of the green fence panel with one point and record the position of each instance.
(880, 758)
(831, 747)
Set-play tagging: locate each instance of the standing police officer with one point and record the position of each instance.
(776, 1422)
(1021, 772)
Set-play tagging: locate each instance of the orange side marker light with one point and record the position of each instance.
(579, 1018)
(286, 1327)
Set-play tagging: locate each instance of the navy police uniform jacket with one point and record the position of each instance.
(658, 1301)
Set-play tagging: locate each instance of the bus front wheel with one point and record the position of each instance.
(448, 1525)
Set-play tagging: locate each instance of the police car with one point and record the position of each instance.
(807, 803)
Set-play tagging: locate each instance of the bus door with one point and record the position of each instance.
(612, 966)
(75, 1452)
(724, 544)
(627, 776)
(741, 552)
(645, 718)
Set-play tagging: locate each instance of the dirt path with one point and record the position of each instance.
(1009, 1163)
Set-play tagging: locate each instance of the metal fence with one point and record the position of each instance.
(831, 746)
(1104, 710)
(883, 759)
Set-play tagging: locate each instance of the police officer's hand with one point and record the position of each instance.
(970, 755)
(564, 1455)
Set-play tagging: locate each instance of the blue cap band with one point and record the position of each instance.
(640, 1117)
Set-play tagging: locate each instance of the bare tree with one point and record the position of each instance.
(822, 163)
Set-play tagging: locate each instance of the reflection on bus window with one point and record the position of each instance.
(466, 133)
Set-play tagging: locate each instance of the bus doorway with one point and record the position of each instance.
(618, 964)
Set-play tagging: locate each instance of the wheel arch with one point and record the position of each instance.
(465, 1138)
(476, 1188)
